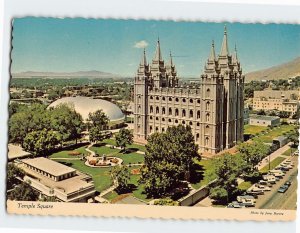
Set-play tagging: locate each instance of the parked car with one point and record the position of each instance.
(263, 187)
(288, 183)
(255, 190)
(263, 182)
(245, 197)
(235, 204)
(283, 189)
(270, 179)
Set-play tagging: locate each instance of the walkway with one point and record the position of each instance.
(273, 156)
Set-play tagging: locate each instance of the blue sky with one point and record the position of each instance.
(67, 45)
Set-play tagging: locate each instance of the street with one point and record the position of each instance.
(275, 200)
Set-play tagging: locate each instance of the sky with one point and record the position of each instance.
(116, 46)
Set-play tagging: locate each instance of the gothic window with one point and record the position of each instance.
(163, 110)
(156, 129)
(139, 99)
(197, 136)
(183, 100)
(163, 119)
(170, 111)
(183, 113)
(157, 98)
(170, 120)
(176, 99)
(208, 92)
(151, 109)
(191, 101)
(198, 101)
(151, 97)
(163, 98)
(170, 99)
(191, 123)
(207, 106)
(157, 110)
(156, 118)
(139, 109)
(198, 114)
(198, 124)
(151, 117)
(151, 129)
(163, 129)
(183, 122)
(207, 129)
(207, 117)
(206, 141)
(176, 112)
(176, 121)
(191, 114)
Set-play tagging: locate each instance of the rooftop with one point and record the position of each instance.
(49, 166)
(262, 117)
(15, 152)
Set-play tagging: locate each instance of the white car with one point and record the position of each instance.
(263, 187)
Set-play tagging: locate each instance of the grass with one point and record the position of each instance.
(104, 150)
(275, 132)
(245, 185)
(289, 151)
(139, 147)
(274, 163)
(253, 129)
(208, 175)
(101, 176)
(65, 153)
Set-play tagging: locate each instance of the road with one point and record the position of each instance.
(287, 200)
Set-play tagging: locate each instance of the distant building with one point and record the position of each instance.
(264, 120)
(246, 115)
(53, 179)
(287, 101)
(213, 110)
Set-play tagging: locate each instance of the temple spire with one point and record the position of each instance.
(158, 56)
(171, 59)
(235, 57)
(212, 56)
(224, 49)
(144, 60)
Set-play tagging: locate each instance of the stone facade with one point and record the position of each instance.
(213, 109)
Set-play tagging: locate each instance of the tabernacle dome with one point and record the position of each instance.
(86, 105)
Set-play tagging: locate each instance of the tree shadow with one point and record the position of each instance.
(66, 163)
(129, 189)
(100, 144)
(129, 150)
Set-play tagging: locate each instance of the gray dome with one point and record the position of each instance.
(86, 105)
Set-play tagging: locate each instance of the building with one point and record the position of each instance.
(213, 109)
(53, 179)
(86, 105)
(287, 101)
(264, 120)
(16, 152)
(246, 115)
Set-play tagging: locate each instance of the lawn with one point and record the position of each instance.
(65, 153)
(289, 151)
(245, 185)
(253, 129)
(275, 132)
(207, 173)
(104, 150)
(274, 163)
(101, 176)
(112, 141)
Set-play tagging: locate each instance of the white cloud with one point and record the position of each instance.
(141, 44)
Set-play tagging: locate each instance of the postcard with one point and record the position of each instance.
(153, 119)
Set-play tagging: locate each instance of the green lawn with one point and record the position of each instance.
(245, 185)
(253, 129)
(64, 153)
(208, 175)
(112, 141)
(275, 132)
(104, 150)
(289, 151)
(101, 176)
(273, 164)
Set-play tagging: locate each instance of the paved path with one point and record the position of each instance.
(65, 158)
(273, 156)
(91, 153)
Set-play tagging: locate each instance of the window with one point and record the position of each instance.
(170, 120)
(170, 99)
(197, 136)
(156, 129)
(207, 105)
(191, 101)
(163, 110)
(206, 141)
(151, 129)
(139, 109)
(198, 114)
(183, 100)
(183, 112)
(176, 112)
(170, 111)
(163, 119)
(176, 121)
(151, 109)
(151, 117)
(198, 101)
(191, 113)
(207, 117)
(163, 129)
(198, 124)
(208, 92)
(157, 110)
(176, 99)
(207, 129)
(139, 99)
(157, 98)
(191, 123)
(183, 122)
(156, 118)
(151, 97)
(163, 98)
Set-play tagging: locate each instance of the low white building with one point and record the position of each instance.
(264, 120)
(53, 179)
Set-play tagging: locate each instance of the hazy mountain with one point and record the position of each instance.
(283, 71)
(92, 74)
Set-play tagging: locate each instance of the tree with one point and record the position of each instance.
(40, 142)
(252, 153)
(23, 192)
(14, 173)
(166, 201)
(293, 136)
(227, 169)
(169, 160)
(124, 137)
(67, 122)
(284, 114)
(261, 112)
(98, 121)
(121, 175)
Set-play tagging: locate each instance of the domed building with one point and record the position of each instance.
(86, 105)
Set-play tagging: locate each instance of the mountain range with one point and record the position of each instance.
(283, 71)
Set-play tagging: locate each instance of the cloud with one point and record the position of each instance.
(141, 44)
